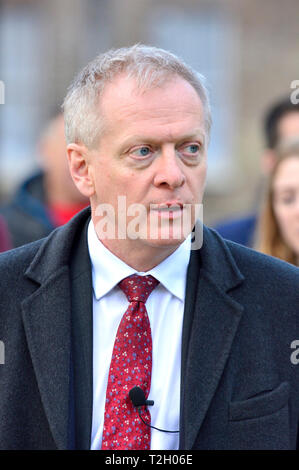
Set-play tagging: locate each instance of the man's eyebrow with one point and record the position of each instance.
(287, 188)
(140, 138)
(194, 135)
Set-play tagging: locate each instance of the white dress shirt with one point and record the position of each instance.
(165, 307)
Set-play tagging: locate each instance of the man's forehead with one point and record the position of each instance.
(173, 101)
(125, 90)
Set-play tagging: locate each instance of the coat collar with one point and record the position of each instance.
(54, 253)
(55, 250)
(218, 262)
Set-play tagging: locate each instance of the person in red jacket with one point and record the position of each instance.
(48, 198)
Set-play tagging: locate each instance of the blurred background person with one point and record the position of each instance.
(5, 242)
(278, 226)
(49, 197)
(281, 122)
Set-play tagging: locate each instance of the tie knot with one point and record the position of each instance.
(138, 288)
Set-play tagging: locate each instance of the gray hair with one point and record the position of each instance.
(149, 66)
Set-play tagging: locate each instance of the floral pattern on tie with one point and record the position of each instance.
(131, 365)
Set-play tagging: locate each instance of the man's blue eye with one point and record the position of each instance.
(142, 152)
(192, 148)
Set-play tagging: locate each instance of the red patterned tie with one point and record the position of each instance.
(131, 365)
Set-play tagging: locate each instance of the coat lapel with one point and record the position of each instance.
(46, 317)
(210, 325)
(47, 323)
(82, 340)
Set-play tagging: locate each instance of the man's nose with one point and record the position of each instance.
(169, 170)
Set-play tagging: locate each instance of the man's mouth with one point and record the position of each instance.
(169, 210)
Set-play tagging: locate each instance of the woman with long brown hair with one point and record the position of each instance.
(278, 228)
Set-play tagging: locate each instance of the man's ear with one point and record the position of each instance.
(80, 168)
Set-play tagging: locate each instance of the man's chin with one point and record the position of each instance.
(163, 242)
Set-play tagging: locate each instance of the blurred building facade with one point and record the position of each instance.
(247, 50)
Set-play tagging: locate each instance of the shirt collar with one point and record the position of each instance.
(108, 270)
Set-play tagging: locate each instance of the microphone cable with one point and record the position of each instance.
(137, 397)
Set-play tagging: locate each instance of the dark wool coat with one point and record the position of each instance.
(239, 387)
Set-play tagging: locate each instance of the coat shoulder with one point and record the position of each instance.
(266, 274)
(257, 268)
(13, 263)
(252, 260)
